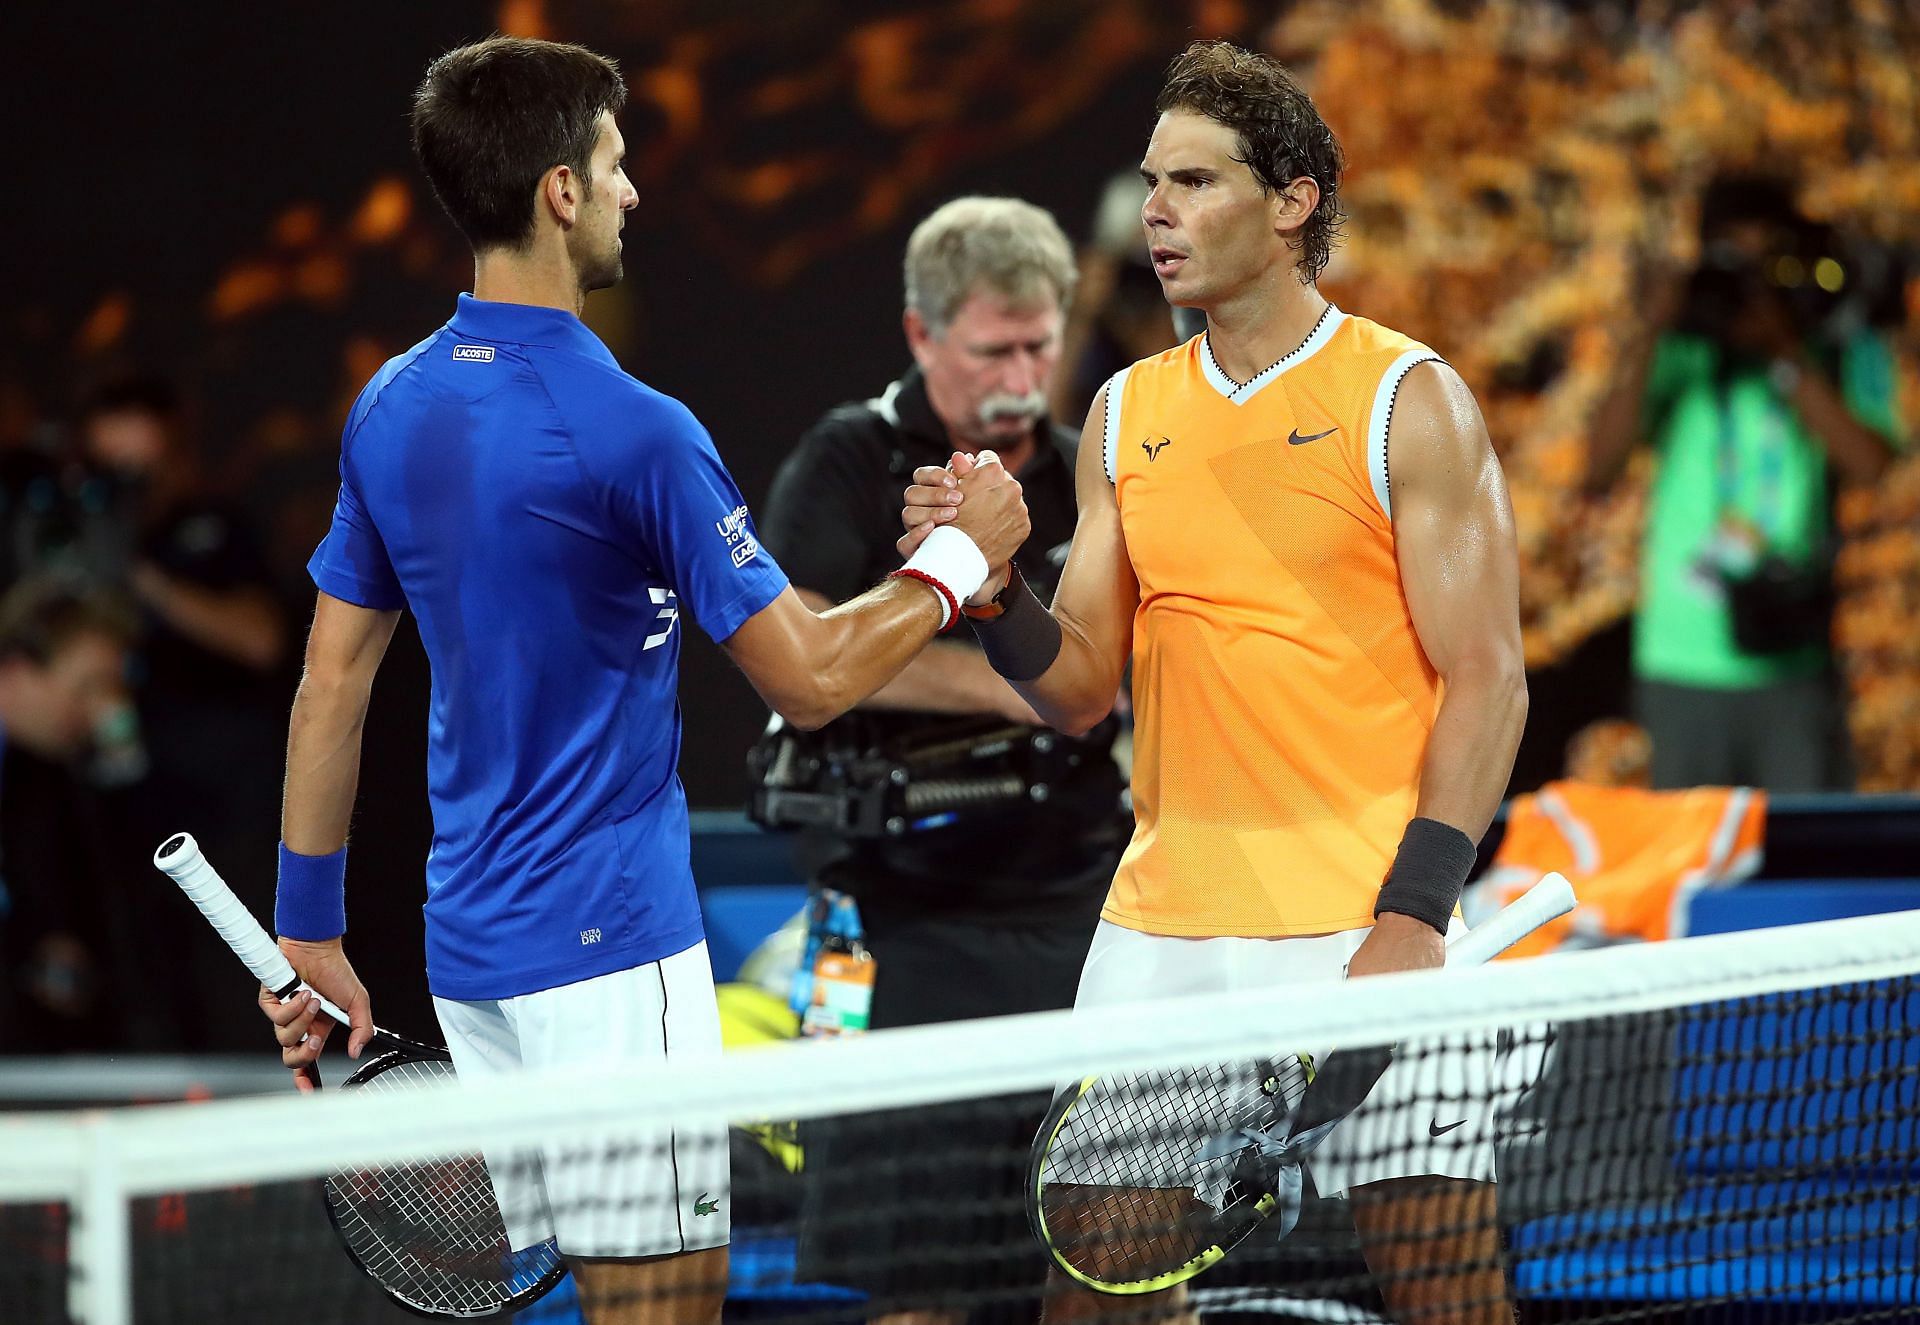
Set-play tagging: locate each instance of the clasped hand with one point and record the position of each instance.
(976, 495)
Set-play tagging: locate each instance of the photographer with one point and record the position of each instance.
(213, 638)
(1755, 377)
(63, 659)
(983, 897)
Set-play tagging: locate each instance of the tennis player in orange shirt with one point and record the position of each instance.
(1295, 528)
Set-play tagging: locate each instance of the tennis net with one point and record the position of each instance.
(1717, 1129)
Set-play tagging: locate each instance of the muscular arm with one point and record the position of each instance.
(943, 678)
(1459, 568)
(1095, 603)
(344, 651)
(812, 667)
(1096, 600)
(810, 660)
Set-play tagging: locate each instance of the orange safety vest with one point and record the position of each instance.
(1635, 857)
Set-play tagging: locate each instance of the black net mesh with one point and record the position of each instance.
(1734, 1161)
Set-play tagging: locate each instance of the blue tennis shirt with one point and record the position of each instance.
(546, 518)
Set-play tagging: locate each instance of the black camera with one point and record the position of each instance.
(65, 520)
(1808, 277)
(860, 780)
(1757, 245)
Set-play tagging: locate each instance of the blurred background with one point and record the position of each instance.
(216, 235)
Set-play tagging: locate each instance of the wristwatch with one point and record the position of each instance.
(996, 605)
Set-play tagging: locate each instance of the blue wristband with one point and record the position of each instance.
(311, 902)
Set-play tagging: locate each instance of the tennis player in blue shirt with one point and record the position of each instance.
(547, 519)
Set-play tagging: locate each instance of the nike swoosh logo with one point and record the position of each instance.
(1434, 1129)
(1295, 439)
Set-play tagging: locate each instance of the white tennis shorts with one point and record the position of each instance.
(645, 1191)
(1433, 1113)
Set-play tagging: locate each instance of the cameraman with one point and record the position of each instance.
(213, 638)
(63, 662)
(1755, 377)
(993, 912)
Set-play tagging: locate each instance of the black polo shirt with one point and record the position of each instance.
(831, 521)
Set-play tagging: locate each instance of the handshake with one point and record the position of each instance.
(977, 497)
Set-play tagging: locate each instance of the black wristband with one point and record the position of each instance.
(1022, 642)
(1428, 873)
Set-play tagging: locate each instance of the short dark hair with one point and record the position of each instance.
(1281, 134)
(490, 119)
(1731, 200)
(40, 617)
(143, 393)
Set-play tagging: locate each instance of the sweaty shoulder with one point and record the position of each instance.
(395, 370)
(618, 422)
(1359, 338)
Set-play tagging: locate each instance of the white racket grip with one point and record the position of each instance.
(179, 859)
(1547, 900)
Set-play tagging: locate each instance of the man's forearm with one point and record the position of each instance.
(810, 667)
(1469, 759)
(946, 678)
(1859, 452)
(1470, 753)
(1078, 691)
(323, 766)
(241, 625)
(1616, 422)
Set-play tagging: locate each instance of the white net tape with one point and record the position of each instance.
(98, 1161)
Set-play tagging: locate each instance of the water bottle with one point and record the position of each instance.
(841, 999)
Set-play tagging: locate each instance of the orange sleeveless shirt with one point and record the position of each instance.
(1282, 703)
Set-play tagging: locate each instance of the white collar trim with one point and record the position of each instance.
(885, 404)
(1240, 393)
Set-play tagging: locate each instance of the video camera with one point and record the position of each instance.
(857, 780)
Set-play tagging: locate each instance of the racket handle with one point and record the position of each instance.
(179, 859)
(1547, 900)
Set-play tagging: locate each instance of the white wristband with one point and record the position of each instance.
(950, 558)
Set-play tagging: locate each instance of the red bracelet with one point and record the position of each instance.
(951, 604)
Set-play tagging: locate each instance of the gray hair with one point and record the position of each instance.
(1011, 247)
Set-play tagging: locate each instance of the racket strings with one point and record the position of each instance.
(430, 1229)
(1123, 1190)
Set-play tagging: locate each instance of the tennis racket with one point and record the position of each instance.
(428, 1231)
(1142, 1180)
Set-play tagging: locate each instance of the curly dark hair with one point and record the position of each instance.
(1281, 135)
(491, 119)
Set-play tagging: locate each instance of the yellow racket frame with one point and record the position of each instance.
(1186, 1270)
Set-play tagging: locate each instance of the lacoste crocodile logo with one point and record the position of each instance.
(703, 1206)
